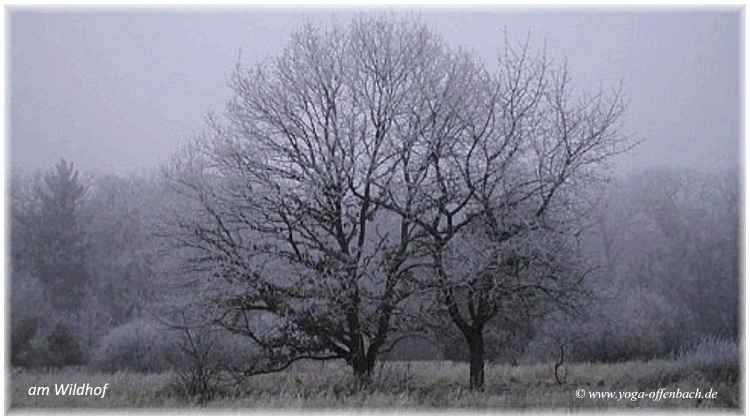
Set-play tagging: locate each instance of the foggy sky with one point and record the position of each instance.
(116, 91)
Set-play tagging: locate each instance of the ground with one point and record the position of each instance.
(397, 387)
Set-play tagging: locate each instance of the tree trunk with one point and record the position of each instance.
(358, 359)
(474, 336)
(476, 359)
(559, 363)
(362, 366)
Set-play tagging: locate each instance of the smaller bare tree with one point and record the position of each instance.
(514, 185)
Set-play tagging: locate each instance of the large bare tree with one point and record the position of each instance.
(290, 196)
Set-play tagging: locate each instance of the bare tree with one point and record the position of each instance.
(289, 197)
(508, 193)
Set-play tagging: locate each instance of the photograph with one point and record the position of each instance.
(374, 210)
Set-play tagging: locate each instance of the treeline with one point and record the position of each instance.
(91, 272)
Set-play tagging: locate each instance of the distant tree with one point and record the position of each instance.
(48, 264)
(668, 243)
(29, 306)
(54, 245)
(120, 260)
(691, 255)
(25, 207)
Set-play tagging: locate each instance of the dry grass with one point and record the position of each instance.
(402, 387)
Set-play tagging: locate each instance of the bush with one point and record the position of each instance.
(64, 347)
(207, 356)
(20, 341)
(30, 322)
(138, 346)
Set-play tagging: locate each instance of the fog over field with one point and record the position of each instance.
(303, 209)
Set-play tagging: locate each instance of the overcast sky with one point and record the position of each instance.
(116, 91)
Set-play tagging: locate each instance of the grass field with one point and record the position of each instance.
(397, 387)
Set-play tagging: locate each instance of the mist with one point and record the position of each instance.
(374, 209)
(119, 90)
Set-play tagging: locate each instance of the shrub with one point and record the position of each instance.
(20, 341)
(30, 322)
(64, 347)
(138, 346)
(207, 358)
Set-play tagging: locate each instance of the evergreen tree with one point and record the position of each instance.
(59, 261)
